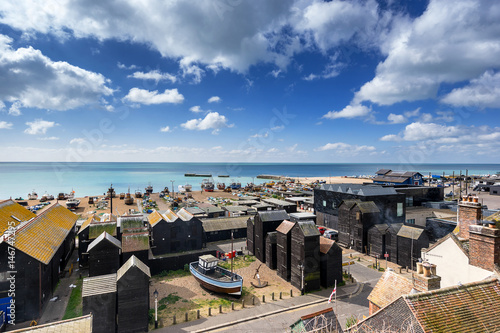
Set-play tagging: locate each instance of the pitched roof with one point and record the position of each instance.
(155, 217)
(227, 223)
(236, 208)
(195, 210)
(97, 285)
(410, 232)
(285, 227)
(137, 241)
(13, 213)
(104, 237)
(320, 321)
(367, 207)
(277, 202)
(185, 215)
(462, 245)
(212, 209)
(133, 261)
(389, 287)
(303, 216)
(272, 215)
(325, 244)
(472, 307)
(42, 237)
(308, 228)
(81, 324)
(383, 171)
(349, 203)
(87, 222)
(97, 228)
(381, 228)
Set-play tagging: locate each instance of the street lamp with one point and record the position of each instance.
(301, 267)
(173, 191)
(156, 307)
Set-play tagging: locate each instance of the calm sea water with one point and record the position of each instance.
(19, 179)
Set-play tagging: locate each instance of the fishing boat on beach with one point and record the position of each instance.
(188, 187)
(149, 189)
(128, 198)
(138, 193)
(221, 186)
(72, 203)
(235, 186)
(181, 189)
(215, 278)
(207, 185)
(33, 195)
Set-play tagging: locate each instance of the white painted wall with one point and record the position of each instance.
(452, 265)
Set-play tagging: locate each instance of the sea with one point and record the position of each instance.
(17, 179)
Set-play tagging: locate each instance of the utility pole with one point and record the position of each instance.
(301, 267)
(453, 186)
(173, 191)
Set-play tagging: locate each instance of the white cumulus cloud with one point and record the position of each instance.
(483, 92)
(350, 111)
(39, 126)
(155, 75)
(77, 141)
(396, 118)
(142, 96)
(5, 125)
(213, 120)
(36, 81)
(343, 148)
(195, 109)
(165, 129)
(214, 99)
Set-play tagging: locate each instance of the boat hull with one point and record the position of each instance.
(231, 288)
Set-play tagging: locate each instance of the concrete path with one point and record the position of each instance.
(270, 308)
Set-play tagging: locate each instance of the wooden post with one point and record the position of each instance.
(253, 300)
(272, 295)
(281, 295)
(209, 312)
(175, 320)
(232, 306)
(243, 304)
(220, 308)
(291, 292)
(198, 314)
(263, 298)
(186, 316)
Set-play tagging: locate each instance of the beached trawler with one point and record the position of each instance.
(215, 278)
(207, 185)
(235, 186)
(128, 198)
(33, 195)
(181, 189)
(72, 203)
(221, 186)
(138, 193)
(188, 187)
(149, 189)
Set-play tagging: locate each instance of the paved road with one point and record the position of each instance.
(356, 305)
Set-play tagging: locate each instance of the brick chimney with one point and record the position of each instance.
(484, 246)
(469, 213)
(426, 279)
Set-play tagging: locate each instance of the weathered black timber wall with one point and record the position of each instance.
(331, 266)
(104, 258)
(261, 230)
(283, 255)
(160, 235)
(422, 194)
(133, 301)
(250, 236)
(103, 309)
(83, 244)
(405, 249)
(376, 242)
(271, 250)
(305, 251)
(142, 255)
(220, 235)
(174, 262)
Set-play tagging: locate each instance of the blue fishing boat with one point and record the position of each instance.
(215, 278)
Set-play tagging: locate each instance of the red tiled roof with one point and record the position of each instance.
(285, 227)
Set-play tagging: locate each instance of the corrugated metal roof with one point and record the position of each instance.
(76, 325)
(285, 227)
(98, 285)
(138, 241)
(185, 215)
(308, 228)
(11, 211)
(103, 238)
(303, 216)
(367, 207)
(228, 223)
(273, 215)
(195, 210)
(278, 202)
(42, 237)
(410, 232)
(133, 261)
(97, 228)
(236, 208)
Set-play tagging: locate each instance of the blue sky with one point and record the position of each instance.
(250, 81)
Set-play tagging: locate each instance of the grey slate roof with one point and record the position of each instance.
(273, 215)
(227, 223)
(104, 237)
(97, 285)
(133, 261)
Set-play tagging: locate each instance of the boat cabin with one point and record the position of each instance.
(207, 262)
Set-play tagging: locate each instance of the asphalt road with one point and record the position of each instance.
(357, 305)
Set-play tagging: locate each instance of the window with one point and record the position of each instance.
(334, 205)
(410, 221)
(324, 203)
(400, 209)
(409, 201)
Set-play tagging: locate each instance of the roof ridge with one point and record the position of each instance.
(486, 282)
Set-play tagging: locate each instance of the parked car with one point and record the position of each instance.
(331, 234)
(321, 230)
